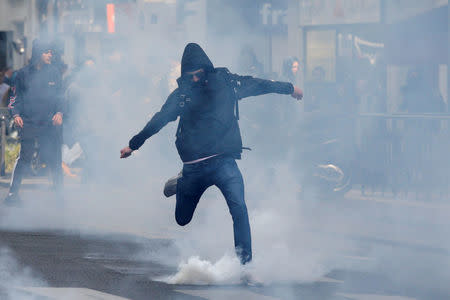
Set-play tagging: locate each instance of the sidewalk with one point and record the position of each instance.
(30, 182)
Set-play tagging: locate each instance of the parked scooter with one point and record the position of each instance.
(326, 158)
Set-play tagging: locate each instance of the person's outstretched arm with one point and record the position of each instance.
(169, 112)
(249, 86)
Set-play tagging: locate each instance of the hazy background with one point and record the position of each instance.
(399, 161)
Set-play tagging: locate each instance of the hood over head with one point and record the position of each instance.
(195, 58)
(39, 47)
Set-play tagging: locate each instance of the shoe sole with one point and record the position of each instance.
(170, 188)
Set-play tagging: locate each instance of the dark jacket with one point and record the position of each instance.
(38, 95)
(208, 122)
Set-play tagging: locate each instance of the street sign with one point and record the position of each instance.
(327, 12)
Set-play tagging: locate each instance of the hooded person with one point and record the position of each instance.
(37, 109)
(208, 138)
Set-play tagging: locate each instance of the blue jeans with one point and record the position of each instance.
(223, 172)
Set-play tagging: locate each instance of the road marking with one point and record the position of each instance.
(226, 294)
(329, 280)
(70, 293)
(397, 201)
(363, 258)
(372, 297)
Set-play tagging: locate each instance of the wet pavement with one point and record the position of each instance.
(111, 265)
(70, 264)
(66, 265)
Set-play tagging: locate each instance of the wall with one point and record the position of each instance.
(19, 16)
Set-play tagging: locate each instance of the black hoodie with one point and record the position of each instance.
(208, 123)
(195, 58)
(39, 47)
(38, 92)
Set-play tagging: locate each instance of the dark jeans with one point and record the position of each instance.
(49, 140)
(224, 173)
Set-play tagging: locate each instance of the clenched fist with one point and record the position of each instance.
(297, 94)
(57, 119)
(125, 152)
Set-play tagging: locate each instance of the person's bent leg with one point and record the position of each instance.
(231, 184)
(190, 188)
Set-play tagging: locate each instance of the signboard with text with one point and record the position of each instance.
(257, 15)
(402, 9)
(328, 12)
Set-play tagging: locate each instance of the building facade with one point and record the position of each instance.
(376, 40)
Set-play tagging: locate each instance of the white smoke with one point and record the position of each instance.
(284, 248)
(294, 239)
(13, 276)
(226, 270)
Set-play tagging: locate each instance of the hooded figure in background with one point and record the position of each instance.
(37, 109)
(208, 138)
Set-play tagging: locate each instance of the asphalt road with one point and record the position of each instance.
(67, 264)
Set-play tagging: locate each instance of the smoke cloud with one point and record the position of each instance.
(297, 235)
(13, 276)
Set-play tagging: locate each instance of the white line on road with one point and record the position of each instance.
(70, 293)
(226, 294)
(372, 297)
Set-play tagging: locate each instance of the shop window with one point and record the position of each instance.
(321, 55)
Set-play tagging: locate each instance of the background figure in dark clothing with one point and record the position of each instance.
(9, 75)
(248, 62)
(37, 109)
(419, 96)
(78, 135)
(9, 79)
(318, 90)
(291, 70)
(81, 84)
(208, 137)
(277, 117)
(5, 85)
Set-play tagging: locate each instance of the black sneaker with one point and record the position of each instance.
(170, 188)
(12, 199)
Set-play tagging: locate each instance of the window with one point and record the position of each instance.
(321, 55)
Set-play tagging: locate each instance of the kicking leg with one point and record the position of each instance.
(190, 188)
